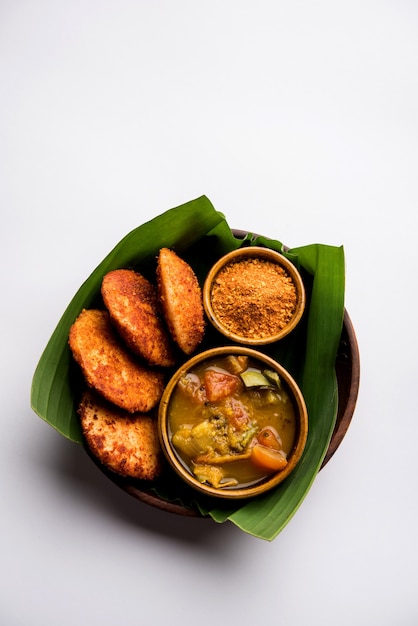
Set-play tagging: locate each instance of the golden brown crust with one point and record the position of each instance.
(125, 443)
(133, 306)
(110, 368)
(181, 300)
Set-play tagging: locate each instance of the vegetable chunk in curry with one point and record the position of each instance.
(232, 422)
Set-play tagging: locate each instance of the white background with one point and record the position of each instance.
(298, 120)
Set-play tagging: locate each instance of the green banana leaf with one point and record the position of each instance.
(200, 234)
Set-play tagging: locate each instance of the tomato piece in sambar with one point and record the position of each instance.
(220, 384)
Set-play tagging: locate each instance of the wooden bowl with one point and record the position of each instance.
(347, 365)
(261, 259)
(288, 386)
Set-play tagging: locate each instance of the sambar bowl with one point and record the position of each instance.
(232, 422)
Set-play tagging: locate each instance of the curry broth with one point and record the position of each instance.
(187, 410)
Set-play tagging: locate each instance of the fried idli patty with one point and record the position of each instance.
(125, 443)
(109, 367)
(181, 300)
(133, 306)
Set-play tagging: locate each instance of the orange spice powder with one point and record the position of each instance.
(254, 298)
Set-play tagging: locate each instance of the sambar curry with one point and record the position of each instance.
(232, 421)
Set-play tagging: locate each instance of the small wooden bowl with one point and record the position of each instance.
(252, 336)
(263, 485)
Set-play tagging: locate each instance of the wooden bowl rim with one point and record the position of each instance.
(301, 417)
(242, 254)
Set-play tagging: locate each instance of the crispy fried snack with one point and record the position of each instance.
(125, 443)
(109, 368)
(134, 309)
(181, 300)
